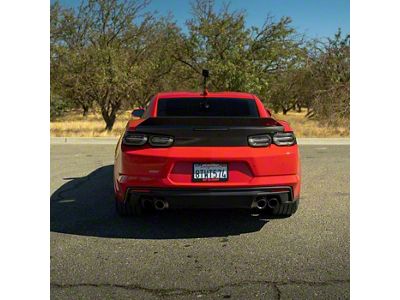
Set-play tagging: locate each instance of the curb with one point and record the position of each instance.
(114, 140)
(323, 141)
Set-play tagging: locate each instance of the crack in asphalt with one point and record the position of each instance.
(183, 292)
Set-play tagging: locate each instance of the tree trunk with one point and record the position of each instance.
(85, 110)
(310, 113)
(298, 107)
(285, 109)
(109, 124)
(109, 119)
(110, 116)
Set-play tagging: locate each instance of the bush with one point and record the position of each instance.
(58, 107)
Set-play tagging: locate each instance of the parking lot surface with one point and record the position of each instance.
(197, 254)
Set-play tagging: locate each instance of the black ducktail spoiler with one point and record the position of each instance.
(178, 122)
(209, 131)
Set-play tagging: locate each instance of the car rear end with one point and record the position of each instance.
(209, 153)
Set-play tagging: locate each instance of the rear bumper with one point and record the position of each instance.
(126, 184)
(170, 170)
(213, 197)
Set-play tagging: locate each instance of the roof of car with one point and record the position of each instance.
(187, 94)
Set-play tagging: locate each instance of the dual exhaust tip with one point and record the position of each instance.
(160, 204)
(156, 203)
(263, 202)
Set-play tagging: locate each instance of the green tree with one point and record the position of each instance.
(67, 43)
(330, 72)
(154, 71)
(111, 55)
(240, 58)
(217, 41)
(98, 54)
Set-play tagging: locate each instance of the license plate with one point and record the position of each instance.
(205, 172)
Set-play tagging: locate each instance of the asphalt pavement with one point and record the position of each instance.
(197, 254)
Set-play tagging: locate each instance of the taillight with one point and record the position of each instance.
(161, 141)
(134, 139)
(284, 139)
(140, 139)
(263, 140)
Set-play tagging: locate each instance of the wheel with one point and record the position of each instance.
(128, 208)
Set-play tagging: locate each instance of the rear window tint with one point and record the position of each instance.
(207, 107)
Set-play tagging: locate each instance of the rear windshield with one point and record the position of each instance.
(209, 107)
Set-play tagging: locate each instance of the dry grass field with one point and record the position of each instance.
(304, 127)
(74, 124)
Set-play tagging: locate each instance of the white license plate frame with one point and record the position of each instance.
(210, 172)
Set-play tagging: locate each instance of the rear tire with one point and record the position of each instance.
(128, 208)
(286, 210)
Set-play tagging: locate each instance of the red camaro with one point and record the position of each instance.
(207, 150)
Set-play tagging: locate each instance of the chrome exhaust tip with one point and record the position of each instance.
(261, 203)
(272, 202)
(160, 204)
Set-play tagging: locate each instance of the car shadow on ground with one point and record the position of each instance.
(85, 206)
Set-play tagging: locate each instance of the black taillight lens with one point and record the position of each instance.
(134, 139)
(140, 139)
(262, 140)
(161, 141)
(284, 139)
